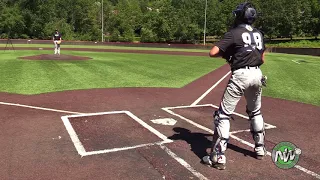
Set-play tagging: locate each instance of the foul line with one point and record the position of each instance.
(167, 109)
(232, 136)
(183, 163)
(210, 89)
(81, 150)
(307, 171)
(39, 108)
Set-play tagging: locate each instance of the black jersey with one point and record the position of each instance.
(242, 46)
(56, 36)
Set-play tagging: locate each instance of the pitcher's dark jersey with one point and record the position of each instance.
(56, 36)
(242, 46)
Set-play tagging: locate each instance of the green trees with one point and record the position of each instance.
(125, 18)
(313, 26)
(151, 20)
(12, 23)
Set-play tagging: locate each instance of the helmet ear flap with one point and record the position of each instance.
(250, 15)
(250, 12)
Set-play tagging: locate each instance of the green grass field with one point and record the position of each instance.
(286, 79)
(105, 70)
(104, 47)
(289, 80)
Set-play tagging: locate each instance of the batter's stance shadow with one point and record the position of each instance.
(200, 142)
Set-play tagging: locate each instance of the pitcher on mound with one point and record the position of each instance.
(56, 41)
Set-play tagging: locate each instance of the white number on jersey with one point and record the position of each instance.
(248, 41)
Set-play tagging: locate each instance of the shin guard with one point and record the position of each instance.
(258, 132)
(222, 128)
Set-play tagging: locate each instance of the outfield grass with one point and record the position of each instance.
(105, 47)
(295, 44)
(286, 78)
(105, 70)
(289, 80)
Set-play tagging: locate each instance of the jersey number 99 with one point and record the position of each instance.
(246, 37)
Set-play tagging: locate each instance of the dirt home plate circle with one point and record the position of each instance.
(285, 155)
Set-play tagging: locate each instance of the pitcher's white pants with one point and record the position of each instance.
(56, 47)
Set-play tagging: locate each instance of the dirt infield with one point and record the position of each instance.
(109, 134)
(61, 57)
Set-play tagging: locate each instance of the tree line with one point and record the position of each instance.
(180, 21)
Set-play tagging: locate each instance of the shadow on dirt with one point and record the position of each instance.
(200, 142)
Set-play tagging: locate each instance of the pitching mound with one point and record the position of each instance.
(61, 57)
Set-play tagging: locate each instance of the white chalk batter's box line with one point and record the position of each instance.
(267, 126)
(80, 148)
(78, 144)
(168, 109)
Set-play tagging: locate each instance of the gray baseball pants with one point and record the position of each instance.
(243, 82)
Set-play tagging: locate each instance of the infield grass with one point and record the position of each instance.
(291, 77)
(105, 70)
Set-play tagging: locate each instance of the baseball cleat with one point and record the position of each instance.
(207, 161)
(219, 166)
(261, 152)
(260, 157)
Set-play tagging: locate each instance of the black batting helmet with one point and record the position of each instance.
(246, 13)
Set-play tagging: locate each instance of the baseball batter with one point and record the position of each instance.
(56, 41)
(243, 48)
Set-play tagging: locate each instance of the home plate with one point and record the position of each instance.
(165, 121)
